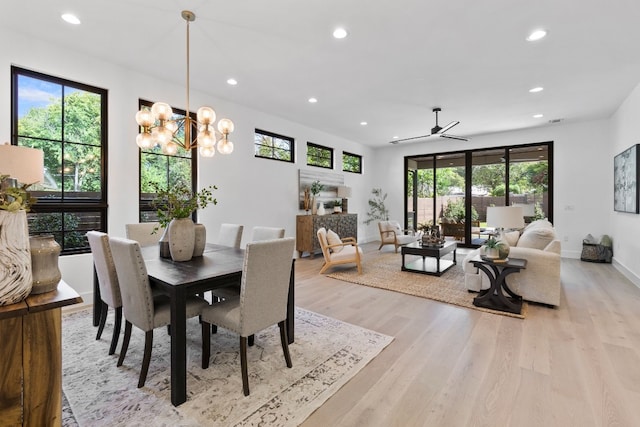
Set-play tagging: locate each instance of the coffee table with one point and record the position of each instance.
(437, 252)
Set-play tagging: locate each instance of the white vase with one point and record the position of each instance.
(16, 279)
(321, 210)
(200, 240)
(44, 263)
(182, 237)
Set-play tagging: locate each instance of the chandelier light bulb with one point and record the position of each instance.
(162, 135)
(206, 139)
(207, 151)
(206, 115)
(171, 126)
(162, 111)
(144, 118)
(225, 126)
(225, 146)
(144, 140)
(170, 148)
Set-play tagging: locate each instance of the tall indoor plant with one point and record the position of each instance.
(175, 206)
(16, 278)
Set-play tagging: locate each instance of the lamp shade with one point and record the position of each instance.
(528, 209)
(505, 217)
(24, 164)
(344, 191)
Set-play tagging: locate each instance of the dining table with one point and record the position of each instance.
(219, 266)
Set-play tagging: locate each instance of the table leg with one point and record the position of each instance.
(493, 297)
(178, 346)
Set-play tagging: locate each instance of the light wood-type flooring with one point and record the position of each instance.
(576, 365)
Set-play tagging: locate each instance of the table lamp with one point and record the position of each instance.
(22, 164)
(503, 218)
(344, 192)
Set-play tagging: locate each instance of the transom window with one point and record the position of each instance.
(68, 122)
(351, 162)
(269, 145)
(318, 155)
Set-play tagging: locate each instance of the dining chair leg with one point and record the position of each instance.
(285, 343)
(206, 345)
(214, 329)
(243, 365)
(103, 319)
(148, 345)
(251, 340)
(116, 330)
(125, 342)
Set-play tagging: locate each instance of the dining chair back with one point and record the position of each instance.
(143, 233)
(266, 233)
(263, 299)
(139, 306)
(230, 235)
(107, 283)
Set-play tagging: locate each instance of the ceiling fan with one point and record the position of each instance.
(436, 130)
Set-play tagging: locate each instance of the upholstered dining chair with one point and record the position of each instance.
(338, 251)
(266, 233)
(264, 290)
(107, 283)
(143, 233)
(392, 234)
(138, 305)
(230, 235)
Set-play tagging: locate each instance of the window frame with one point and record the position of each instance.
(329, 150)
(67, 205)
(357, 156)
(145, 205)
(278, 136)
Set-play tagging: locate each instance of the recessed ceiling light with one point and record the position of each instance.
(363, 123)
(313, 100)
(537, 116)
(536, 89)
(396, 137)
(71, 18)
(232, 82)
(536, 35)
(340, 33)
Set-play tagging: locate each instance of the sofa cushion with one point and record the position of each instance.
(512, 237)
(536, 238)
(334, 239)
(539, 223)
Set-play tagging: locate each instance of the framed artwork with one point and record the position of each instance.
(625, 180)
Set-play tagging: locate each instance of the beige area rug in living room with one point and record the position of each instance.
(326, 354)
(382, 270)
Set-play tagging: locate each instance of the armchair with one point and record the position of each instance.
(392, 234)
(343, 251)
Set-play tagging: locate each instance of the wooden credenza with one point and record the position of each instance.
(345, 225)
(31, 358)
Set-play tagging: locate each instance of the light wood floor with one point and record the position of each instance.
(577, 365)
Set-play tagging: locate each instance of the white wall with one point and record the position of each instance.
(583, 180)
(251, 191)
(626, 226)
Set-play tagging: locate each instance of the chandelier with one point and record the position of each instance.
(159, 128)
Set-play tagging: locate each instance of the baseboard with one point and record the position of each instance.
(626, 272)
(570, 254)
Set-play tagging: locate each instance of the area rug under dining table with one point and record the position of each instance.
(325, 355)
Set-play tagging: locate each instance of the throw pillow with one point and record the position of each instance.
(512, 237)
(536, 238)
(334, 239)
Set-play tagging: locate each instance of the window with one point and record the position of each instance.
(158, 170)
(270, 145)
(68, 122)
(318, 155)
(351, 162)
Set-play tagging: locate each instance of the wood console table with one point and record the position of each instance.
(31, 358)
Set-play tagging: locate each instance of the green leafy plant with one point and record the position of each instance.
(180, 202)
(13, 199)
(316, 188)
(455, 212)
(377, 209)
(493, 243)
(337, 203)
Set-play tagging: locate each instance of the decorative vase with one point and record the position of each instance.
(491, 253)
(182, 237)
(321, 210)
(15, 258)
(314, 207)
(504, 248)
(44, 263)
(200, 240)
(164, 244)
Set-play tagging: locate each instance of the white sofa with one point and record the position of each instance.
(540, 281)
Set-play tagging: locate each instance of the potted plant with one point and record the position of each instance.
(377, 209)
(175, 207)
(316, 188)
(492, 248)
(337, 206)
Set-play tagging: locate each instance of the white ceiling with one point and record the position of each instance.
(401, 58)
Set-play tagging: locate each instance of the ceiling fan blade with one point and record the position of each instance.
(395, 141)
(447, 127)
(443, 135)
